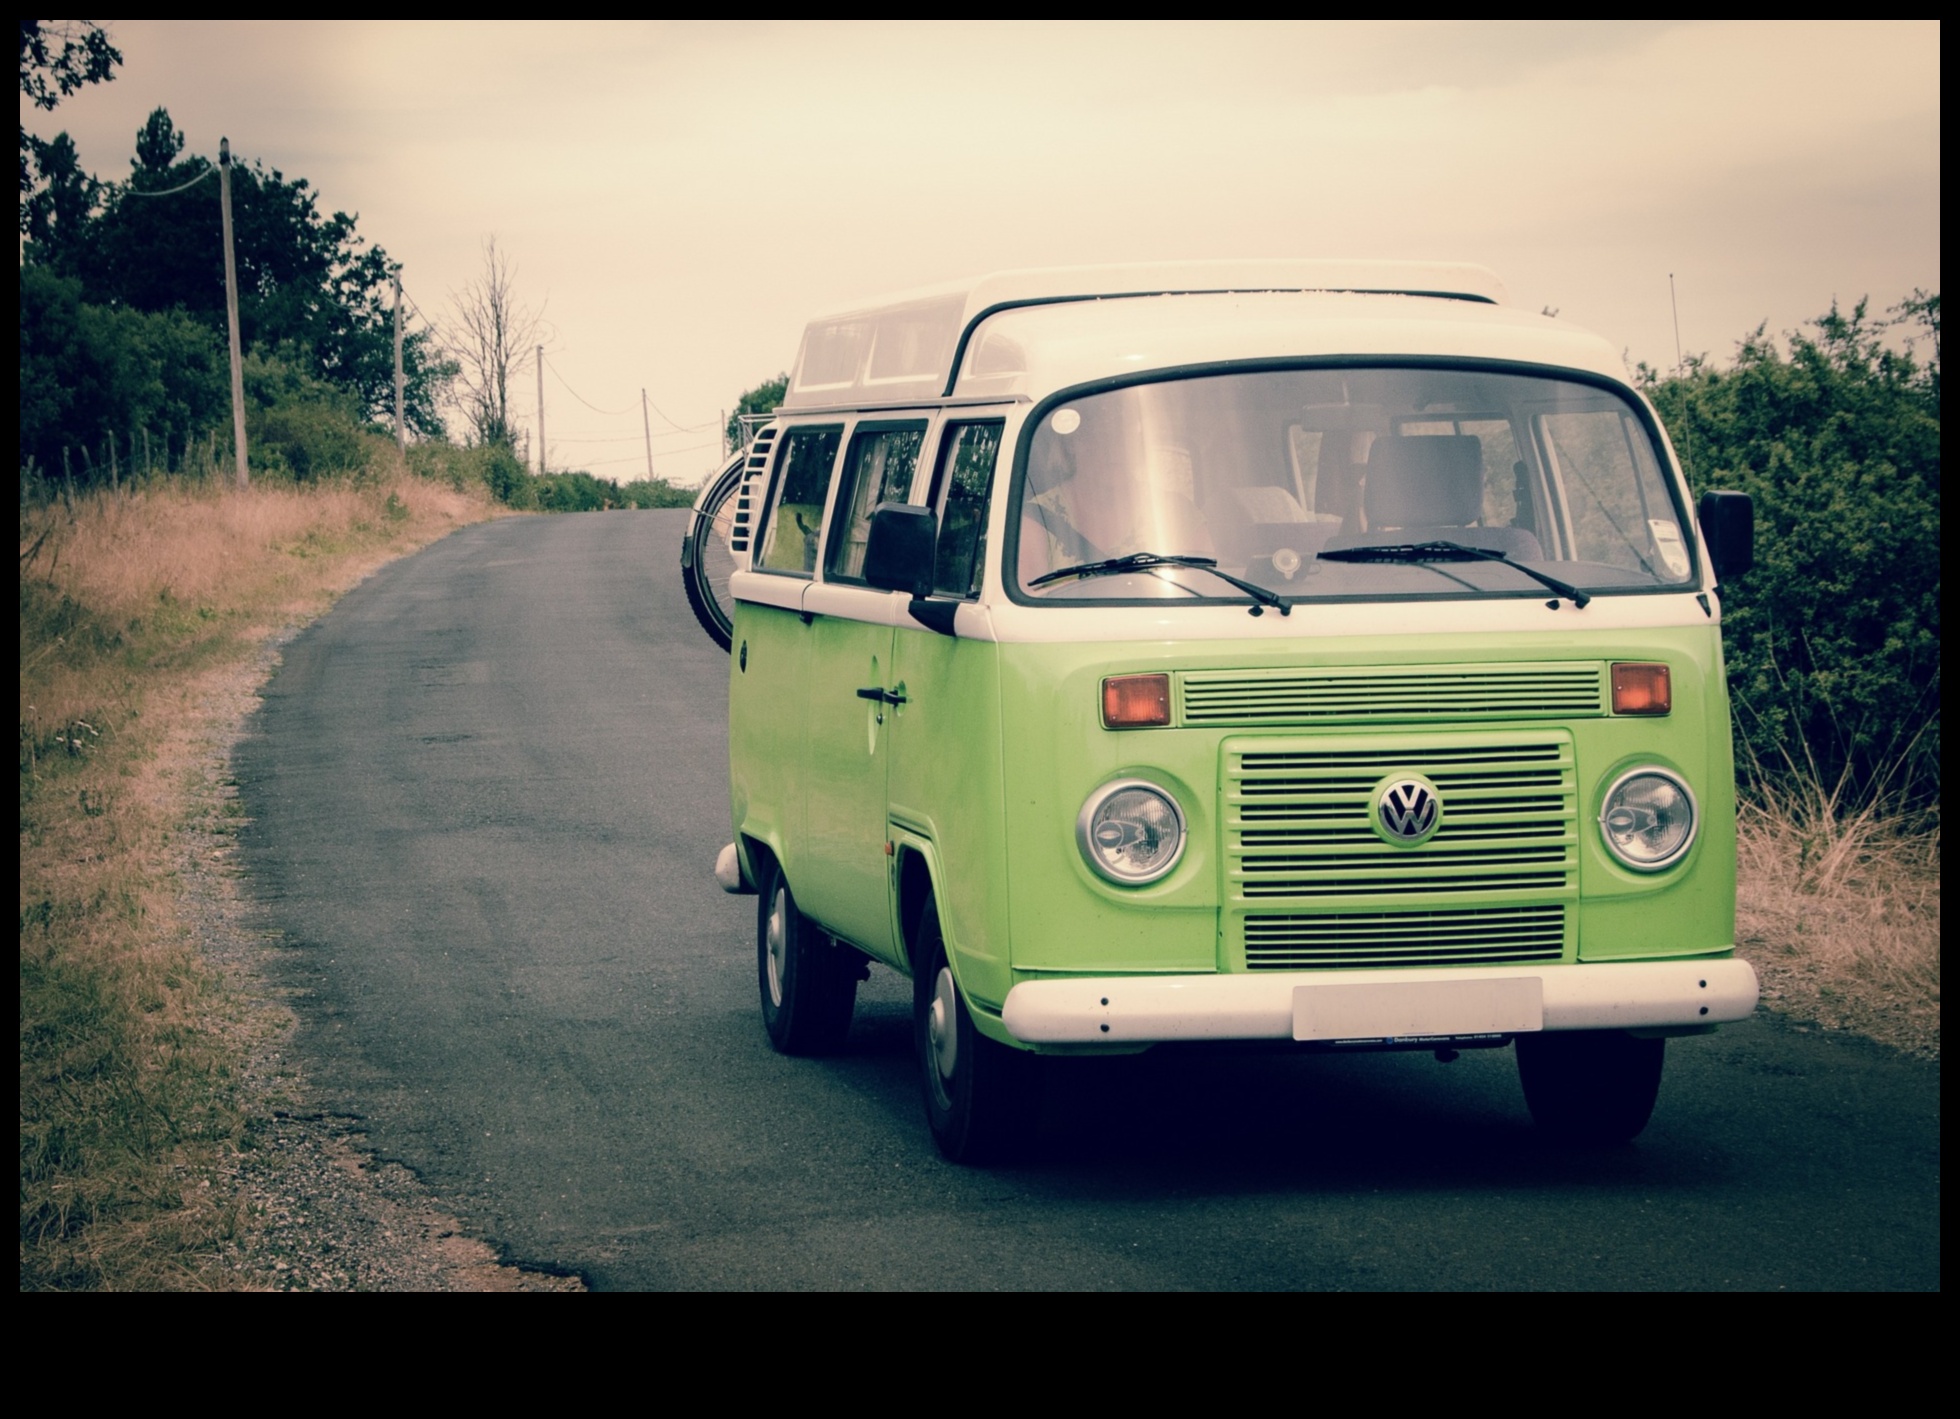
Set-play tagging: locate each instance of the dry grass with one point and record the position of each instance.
(123, 586)
(129, 604)
(1839, 910)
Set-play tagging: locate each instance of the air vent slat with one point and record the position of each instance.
(1478, 936)
(1295, 825)
(1373, 693)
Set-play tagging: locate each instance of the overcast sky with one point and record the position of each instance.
(680, 198)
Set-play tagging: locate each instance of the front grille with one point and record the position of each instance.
(1362, 693)
(1297, 822)
(1476, 936)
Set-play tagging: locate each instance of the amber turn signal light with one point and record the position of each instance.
(1136, 701)
(1641, 689)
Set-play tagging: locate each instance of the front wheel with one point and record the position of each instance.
(978, 1092)
(1590, 1086)
(808, 983)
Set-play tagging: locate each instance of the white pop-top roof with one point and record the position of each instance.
(906, 347)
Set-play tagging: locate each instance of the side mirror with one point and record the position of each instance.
(898, 555)
(1728, 527)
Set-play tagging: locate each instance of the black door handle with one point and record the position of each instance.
(882, 695)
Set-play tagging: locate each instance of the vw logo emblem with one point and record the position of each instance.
(1406, 810)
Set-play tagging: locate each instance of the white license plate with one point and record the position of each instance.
(1392, 1009)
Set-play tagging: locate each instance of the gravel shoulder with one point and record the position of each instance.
(316, 1210)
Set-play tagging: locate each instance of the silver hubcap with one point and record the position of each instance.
(778, 945)
(942, 1024)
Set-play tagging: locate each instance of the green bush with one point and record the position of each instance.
(1833, 639)
(98, 385)
(300, 427)
(655, 492)
(496, 468)
(489, 466)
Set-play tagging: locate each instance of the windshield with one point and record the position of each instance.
(1260, 473)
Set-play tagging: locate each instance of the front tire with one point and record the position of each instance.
(1590, 1086)
(807, 982)
(978, 1092)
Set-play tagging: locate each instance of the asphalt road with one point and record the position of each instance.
(486, 793)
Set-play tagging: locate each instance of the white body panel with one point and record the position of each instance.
(1195, 625)
(1132, 1010)
(903, 347)
(1036, 350)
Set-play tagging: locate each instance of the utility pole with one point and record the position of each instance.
(401, 423)
(540, 411)
(646, 422)
(243, 477)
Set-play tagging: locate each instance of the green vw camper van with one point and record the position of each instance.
(1322, 653)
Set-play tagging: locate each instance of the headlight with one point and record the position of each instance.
(1648, 819)
(1130, 832)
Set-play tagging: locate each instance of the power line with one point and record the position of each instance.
(418, 310)
(168, 191)
(609, 413)
(623, 438)
(691, 448)
(679, 428)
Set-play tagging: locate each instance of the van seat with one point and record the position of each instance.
(1425, 480)
(1430, 488)
(1253, 522)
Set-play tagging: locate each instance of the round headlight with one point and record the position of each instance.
(1648, 819)
(1130, 832)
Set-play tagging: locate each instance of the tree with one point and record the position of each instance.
(55, 216)
(91, 376)
(57, 57)
(1833, 639)
(491, 344)
(765, 398)
(310, 287)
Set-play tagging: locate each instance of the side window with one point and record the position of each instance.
(795, 513)
(1613, 488)
(1503, 474)
(880, 470)
(966, 474)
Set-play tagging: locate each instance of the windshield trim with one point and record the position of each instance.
(1673, 477)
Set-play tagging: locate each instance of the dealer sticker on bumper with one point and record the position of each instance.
(1391, 1009)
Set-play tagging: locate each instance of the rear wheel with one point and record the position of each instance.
(1590, 1086)
(978, 1092)
(808, 983)
(706, 561)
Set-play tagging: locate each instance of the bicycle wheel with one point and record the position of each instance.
(706, 561)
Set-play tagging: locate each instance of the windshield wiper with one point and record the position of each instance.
(1418, 553)
(1140, 561)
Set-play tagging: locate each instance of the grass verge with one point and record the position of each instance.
(129, 603)
(1839, 911)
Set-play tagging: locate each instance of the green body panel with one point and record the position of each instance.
(986, 765)
(946, 796)
(767, 672)
(841, 878)
(1690, 908)
(1065, 919)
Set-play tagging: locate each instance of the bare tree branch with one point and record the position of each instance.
(491, 342)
